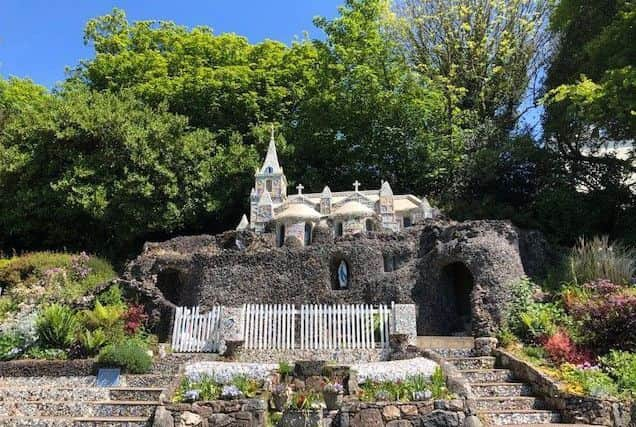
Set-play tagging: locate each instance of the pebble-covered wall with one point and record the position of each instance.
(454, 272)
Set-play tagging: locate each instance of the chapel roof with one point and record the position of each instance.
(353, 209)
(271, 158)
(298, 211)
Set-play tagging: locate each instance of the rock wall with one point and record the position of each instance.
(452, 271)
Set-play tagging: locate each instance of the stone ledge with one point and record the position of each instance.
(48, 368)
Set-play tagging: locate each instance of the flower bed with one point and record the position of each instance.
(394, 370)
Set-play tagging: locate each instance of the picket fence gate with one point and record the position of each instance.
(316, 326)
(196, 332)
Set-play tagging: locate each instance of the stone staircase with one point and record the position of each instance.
(499, 398)
(77, 401)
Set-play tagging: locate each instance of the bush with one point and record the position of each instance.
(134, 318)
(598, 259)
(108, 318)
(621, 366)
(93, 341)
(560, 348)
(12, 345)
(111, 296)
(128, 355)
(609, 321)
(591, 382)
(56, 326)
(538, 321)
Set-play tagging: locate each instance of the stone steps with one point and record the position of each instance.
(518, 416)
(503, 389)
(74, 422)
(488, 375)
(87, 381)
(498, 403)
(464, 363)
(142, 409)
(34, 394)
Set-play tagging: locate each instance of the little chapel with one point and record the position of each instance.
(344, 212)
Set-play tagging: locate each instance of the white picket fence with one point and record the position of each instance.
(316, 326)
(196, 332)
(285, 327)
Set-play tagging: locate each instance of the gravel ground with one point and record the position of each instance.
(223, 372)
(394, 370)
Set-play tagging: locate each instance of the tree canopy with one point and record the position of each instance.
(161, 130)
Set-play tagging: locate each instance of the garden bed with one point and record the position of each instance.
(48, 368)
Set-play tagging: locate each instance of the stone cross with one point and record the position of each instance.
(300, 187)
(356, 185)
(272, 131)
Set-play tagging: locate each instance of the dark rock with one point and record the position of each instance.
(439, 418)
(399, 423)
(304, 369)
(220, 420)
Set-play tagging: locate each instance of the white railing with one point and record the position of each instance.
(196, 332)
(316, 326)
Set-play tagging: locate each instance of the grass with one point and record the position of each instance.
(597, 258)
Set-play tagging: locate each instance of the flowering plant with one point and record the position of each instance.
(191, 395)
(231, 392)
(336, 388)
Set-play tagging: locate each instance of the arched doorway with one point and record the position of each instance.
(170, 284)
(460, 284)
(368, 224)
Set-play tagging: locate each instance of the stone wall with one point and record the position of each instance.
(396, 414)
(215, 413)
(239, 267)
(574, 409)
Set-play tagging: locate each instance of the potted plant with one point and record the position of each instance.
(304, 410)
(332, 393)
(280, 396)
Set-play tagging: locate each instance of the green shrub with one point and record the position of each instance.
(7, 305)
(621, 365)
(46, 353)
(108, 318)
(539, 320)
(247, 386)
(111, 296)
(285, 369)
(11, 345)
(592, 382)
(93, 341)
(128, 355)
(56, 326)
(205, 387)
(598, 259)
(438, 384)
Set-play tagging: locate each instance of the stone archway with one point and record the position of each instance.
(170, 284)
(459, 280)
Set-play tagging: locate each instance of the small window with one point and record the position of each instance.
(307, 234)
(269, 169)
(268, 185)
(368, 225)
(389, 264)
(281, 235)
(338, 229)
(407, 221)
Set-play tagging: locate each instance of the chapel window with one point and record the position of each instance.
(307, 234)
(339, 231)
(407, 221)
(268, 185)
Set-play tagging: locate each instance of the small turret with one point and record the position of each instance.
(270, 176)
(243, 224)
(387, 211)
(325, 201)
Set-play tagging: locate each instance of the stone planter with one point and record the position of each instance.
(294, 418)
(332, 400)
(279, 402)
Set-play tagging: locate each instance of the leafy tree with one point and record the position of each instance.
(366, 115)
(101, 170)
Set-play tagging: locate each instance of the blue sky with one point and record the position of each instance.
(39, 38)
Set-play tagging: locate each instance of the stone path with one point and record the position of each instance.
(77, 401)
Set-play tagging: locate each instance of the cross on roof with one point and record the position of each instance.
(356, 185)
(300, 187)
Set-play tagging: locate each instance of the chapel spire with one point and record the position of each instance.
(271, 165)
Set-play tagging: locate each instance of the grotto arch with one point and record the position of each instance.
(170, 284)
(459, 280)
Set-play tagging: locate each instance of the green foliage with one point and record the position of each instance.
(56, 326)
(591, 382)
(621, 365)
(128, 355)
(112, 296)
(404, 390)
(36, 352)
(207, 389)
(246, 385)
(41, 277)
(11, 345)
(438, 384)
(597, 258)
(539, 320)
(285, 369)
(93, 341)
